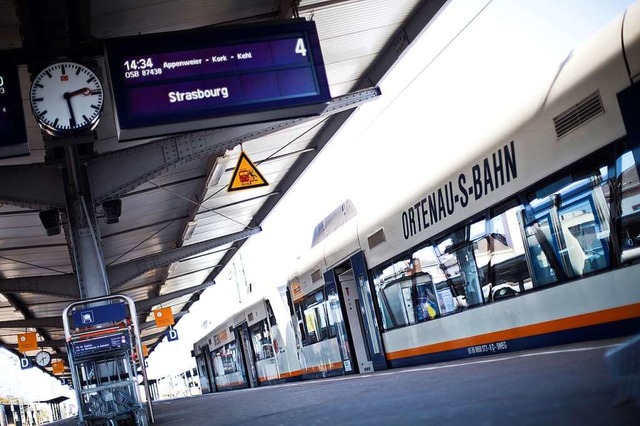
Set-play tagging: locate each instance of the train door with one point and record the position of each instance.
(248, 355)
(203, 374)
(354, 320)
(362, 323)
(208, 364)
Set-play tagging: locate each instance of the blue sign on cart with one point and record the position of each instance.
(99, 315)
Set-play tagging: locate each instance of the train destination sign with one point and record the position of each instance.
(200, 79)
(13, 132)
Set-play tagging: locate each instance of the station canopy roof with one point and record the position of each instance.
(360, 40)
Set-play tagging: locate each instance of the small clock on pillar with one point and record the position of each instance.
(43, 358)
(66, 99)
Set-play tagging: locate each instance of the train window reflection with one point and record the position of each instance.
(261, 339)
(568, 229)
(627, 167)
(457, 257)
(391, 301)
(509, 270)
(541, 251)
(415, 290)
(227, 360)
(316, 321)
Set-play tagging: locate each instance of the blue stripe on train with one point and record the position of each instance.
(595, 332)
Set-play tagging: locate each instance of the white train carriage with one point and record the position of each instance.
(255, 346)
(535, 243)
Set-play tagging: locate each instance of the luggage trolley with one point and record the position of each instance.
(104, 349)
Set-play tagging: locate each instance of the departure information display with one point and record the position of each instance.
(178, 82)
(13, 133)
(100, 344)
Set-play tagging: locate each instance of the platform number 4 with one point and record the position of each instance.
(300, 47)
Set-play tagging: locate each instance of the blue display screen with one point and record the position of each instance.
(12, 124)
(101, 344)
(198, 78)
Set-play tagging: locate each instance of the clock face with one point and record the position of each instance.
(43, 358)
(66, 99)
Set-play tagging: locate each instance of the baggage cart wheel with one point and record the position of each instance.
(141, 418)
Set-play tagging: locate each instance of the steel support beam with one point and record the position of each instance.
(124, 272)
(147, 304)
(56, 343)
(37, 187)
(82, 230)
(48, 322)
(139, 164)
(53, 285)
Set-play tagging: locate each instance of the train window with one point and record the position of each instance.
(567, 228)
(227, 360)
(457, 256)
(629, 222)
(540, 250)
(261, 340)
(586, 236)
(509, 271)
(298, 319)
(393, 290)
(413, 290)
(434, 297)
(334, 315)
(315, 318)
(388, 296)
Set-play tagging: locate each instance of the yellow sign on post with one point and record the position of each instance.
(246, 175)
(163, 317)
(145, 351)
(27, 342)
(58, 367)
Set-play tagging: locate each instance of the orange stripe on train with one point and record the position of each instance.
(593, 318)
(315, 369)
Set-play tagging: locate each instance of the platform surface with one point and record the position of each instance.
(566, 385)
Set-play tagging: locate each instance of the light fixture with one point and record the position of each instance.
(112, 210)
(50, 220)
(217, 170)
(189, 230)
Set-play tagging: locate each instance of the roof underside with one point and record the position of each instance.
(360, 39)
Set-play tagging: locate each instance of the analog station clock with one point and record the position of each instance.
(66, 99)
(43, 358)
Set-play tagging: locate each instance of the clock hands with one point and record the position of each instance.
(85, 91)
(72, 121)
(68, 95)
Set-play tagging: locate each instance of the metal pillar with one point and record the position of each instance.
(83, 234)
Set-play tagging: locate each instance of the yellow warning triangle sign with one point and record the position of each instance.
(246, 175)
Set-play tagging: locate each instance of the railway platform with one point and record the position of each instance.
(564, 385)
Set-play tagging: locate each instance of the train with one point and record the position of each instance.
(534, 243)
